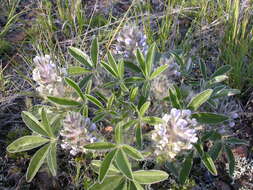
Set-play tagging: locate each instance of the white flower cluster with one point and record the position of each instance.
(77, 132)
(175, 135)
(129, 39)
(161, 84)
(47, 77)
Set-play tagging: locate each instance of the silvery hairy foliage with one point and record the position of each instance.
(116, 124)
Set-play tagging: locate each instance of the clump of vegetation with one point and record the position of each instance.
(132, 94)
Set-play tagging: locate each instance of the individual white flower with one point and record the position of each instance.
(47, 77)
(129, 39)
(77, 132)
(175, 135)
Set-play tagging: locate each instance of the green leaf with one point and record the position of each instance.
(64, 101)
(209, 164)
(113, 63)
(225, 92)
(36, 162)
(123, 164)
(149, 176)
(132, 152)
(237, 141)
(110, 69)
(33, 124)
(80, 56)
(129, 124)
(118, 134)
(150, 59)
(98, 117)
(153, 120)
(75, 86)
(122, 185)
(209, 118)
(200, 99)
(132, 66)
(186, 169)
(106, 165)
(203, 69)
(112, 171)
(110, 101)
(94, 101)
(231, 160)
(141, 61)
(158, 71)
(217, 79)
(84, 81)
(110, 182)
(100, 146)
(26, 143)
(174, 99)
(51, 159)
(222, 70)
(133, 94)
(215, 150)
(94, 51)
(135, 186)
(46, 123)
(75, 70)
(144, 108)
(138, 135)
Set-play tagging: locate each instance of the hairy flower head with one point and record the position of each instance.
(47, 76)
(77, 132)
(175, 135)
(129, 39)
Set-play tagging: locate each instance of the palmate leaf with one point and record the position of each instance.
(149, 176)
(124, 164)
(26, 143)
(36, 162)
(94, 100)
(104, 168)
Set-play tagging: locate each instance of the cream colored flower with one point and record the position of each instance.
(77, 132)
(175, 135)
(129, 39)
(47, 76)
